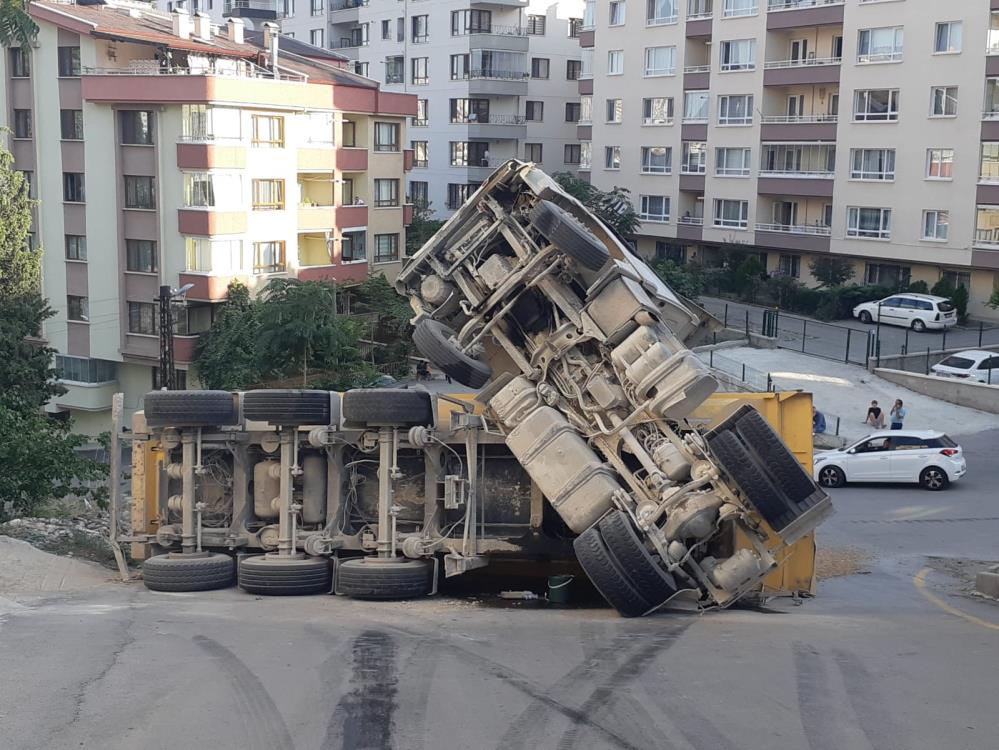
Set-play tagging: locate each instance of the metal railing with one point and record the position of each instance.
(347, 4)
(242, 69)
(654, 218)
(348, 43)
(700, 16)
(880, 57)
(250, 5)
(661, 21)
(495, 29)
(818, 229)
(694, 120)
(798, 174)
(802, 62)
(694, 221)
(696, 68)
(987, 237)
(500, 75)
(490, 119)
(778, 5)
(798, 119)
(992, 114)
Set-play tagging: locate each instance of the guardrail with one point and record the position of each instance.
(802, 62)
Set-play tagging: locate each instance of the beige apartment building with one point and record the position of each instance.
(868, 129)
(165, 150)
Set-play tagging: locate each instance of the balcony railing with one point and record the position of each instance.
(347, 4)
(654, 218)
(694, 221)
(348, 43)
(490, 120)
(797, 119)
(988, 238)
(818, 230)
(700, 16)
(990, 115)
(263, 5)
(777, 5)
(502, 75)
(239, 69)
(798, 174)
(496, 29)
(661, 21)
(695, 120)
(696, 68)
(802, 62)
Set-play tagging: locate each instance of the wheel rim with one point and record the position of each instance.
(829, 477)
(934, 479)
(918, 325)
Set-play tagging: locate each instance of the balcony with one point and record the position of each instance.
(206, 287)
(312, 217)
(210, 156)
(697, 77)
(350, 159)
(788, 14)
(490, 81)
(507, 38)
(345, 11)
(805, 71)
(341, 273)
(350, 217)
(260, 10)
(798, 127)
(495, 126)
(807, 238)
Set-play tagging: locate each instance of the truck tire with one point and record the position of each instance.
(287, 407)
(199, 571)
(784, 467)
(606, 576)
(565, 232)
(434, 340)
(190, 408)
(760, 491)
(388, 406)
(384, 578)
(633, 558)
(270, 575)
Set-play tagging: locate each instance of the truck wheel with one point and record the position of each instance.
(565, 232)
(606, 576)
(198, 571)
(190, 408)
(388, 406)
(384, 578)
(287, 407)
(633, 558)
(790, 475)
(755, 486)
(271, 575)
(436, 342)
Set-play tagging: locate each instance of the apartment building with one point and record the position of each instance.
(867, 129)
(165, 150)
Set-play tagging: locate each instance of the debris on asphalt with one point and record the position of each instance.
(833, 562)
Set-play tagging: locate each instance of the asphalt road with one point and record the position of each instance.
(873, 663)
(831, 340)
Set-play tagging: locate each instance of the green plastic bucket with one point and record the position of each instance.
(558, 589)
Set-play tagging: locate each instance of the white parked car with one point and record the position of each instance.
(973, 364)
(925, 456)
(916, 311)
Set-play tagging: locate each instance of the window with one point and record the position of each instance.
(201, 123)
(738, 54)
(421, 29)
(572, 110)
(85, 370)
(735, 8)
(695, 106)
(140, 192)
(570, 153)
(20, 63)
(614, 110)
(540, 67)
(575, 27)
(268, 131)
(880, 45)
(732, 162)
(316, 37)
(22, 123)
(69, 62)
(875, 105)
(694, 157)
(421, 120)
(873, 164)
(72, 187)
(989, 163)
(735, 110)
(657, 110)
(935, 225)
(71, 124)
(654, 208)
(386, 248)
(533, 152)
(658, 12)
(269, 257)
(612, 157)
(868, 223)
(386, 193)
(615, 62)
(940, 163)
(670, 251)
(660, 61)
(585, 108)
(214, 256)
(469, 154)
(963, 278)
(536, 25)
(361, 68)
(789, 265)
(136, 127)
(315, 7)
(657, 160)
(585, 155)
(421, 153)
(887, 274)
(29, 182)
(140, 256)
(386, 136)
(268, 195)
(469, 110)
(400, 29)
(616, 15)
(419, 193)
(459, 67)
(77, 308)
(535, 111)
(420, 71)
(458, 193)
(589, 14)
(387, 29)
(731, 213)
(76, 247)
(143, 318)
(572, 69)
(395, 69)
(947, 39)
(353, 247)
(943, 101)
(471, 22)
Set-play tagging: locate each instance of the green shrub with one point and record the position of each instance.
(960, 300)
(919, 287)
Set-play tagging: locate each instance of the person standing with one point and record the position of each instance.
(875, 416)
(897, 415)
(818, 422)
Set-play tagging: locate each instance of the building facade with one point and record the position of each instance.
(867, 129)
(164, 150)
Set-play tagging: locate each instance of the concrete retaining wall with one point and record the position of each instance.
(921, 361)
(974, 395)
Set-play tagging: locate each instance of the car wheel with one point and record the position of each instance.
(933, 478)
(831, 476)
(565, 232)
(865, 317)
(195, 571)
(383, 579)
(918, 325)
(436, 342)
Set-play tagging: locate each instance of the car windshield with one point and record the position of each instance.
(945, 306)
(959, 363)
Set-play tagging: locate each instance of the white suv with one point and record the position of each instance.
(925, 456)
(915, 311)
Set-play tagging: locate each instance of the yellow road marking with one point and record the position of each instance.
(920, 580)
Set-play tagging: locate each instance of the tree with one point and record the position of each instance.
(684, 280)
(422, 228)
(994, 299)
(16, 27)
(390, 314)
(960, 298)
(226, 357)
(613, 207)
(831, 271)
(20, 269)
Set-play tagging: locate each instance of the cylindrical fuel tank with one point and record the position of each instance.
(266, 487)
(314, 489)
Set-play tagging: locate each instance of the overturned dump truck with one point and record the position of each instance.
(579, 441)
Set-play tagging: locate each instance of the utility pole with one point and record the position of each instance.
(167, 378)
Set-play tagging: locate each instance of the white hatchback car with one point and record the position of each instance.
(925, 456)
(916, 311)
(973, 364)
